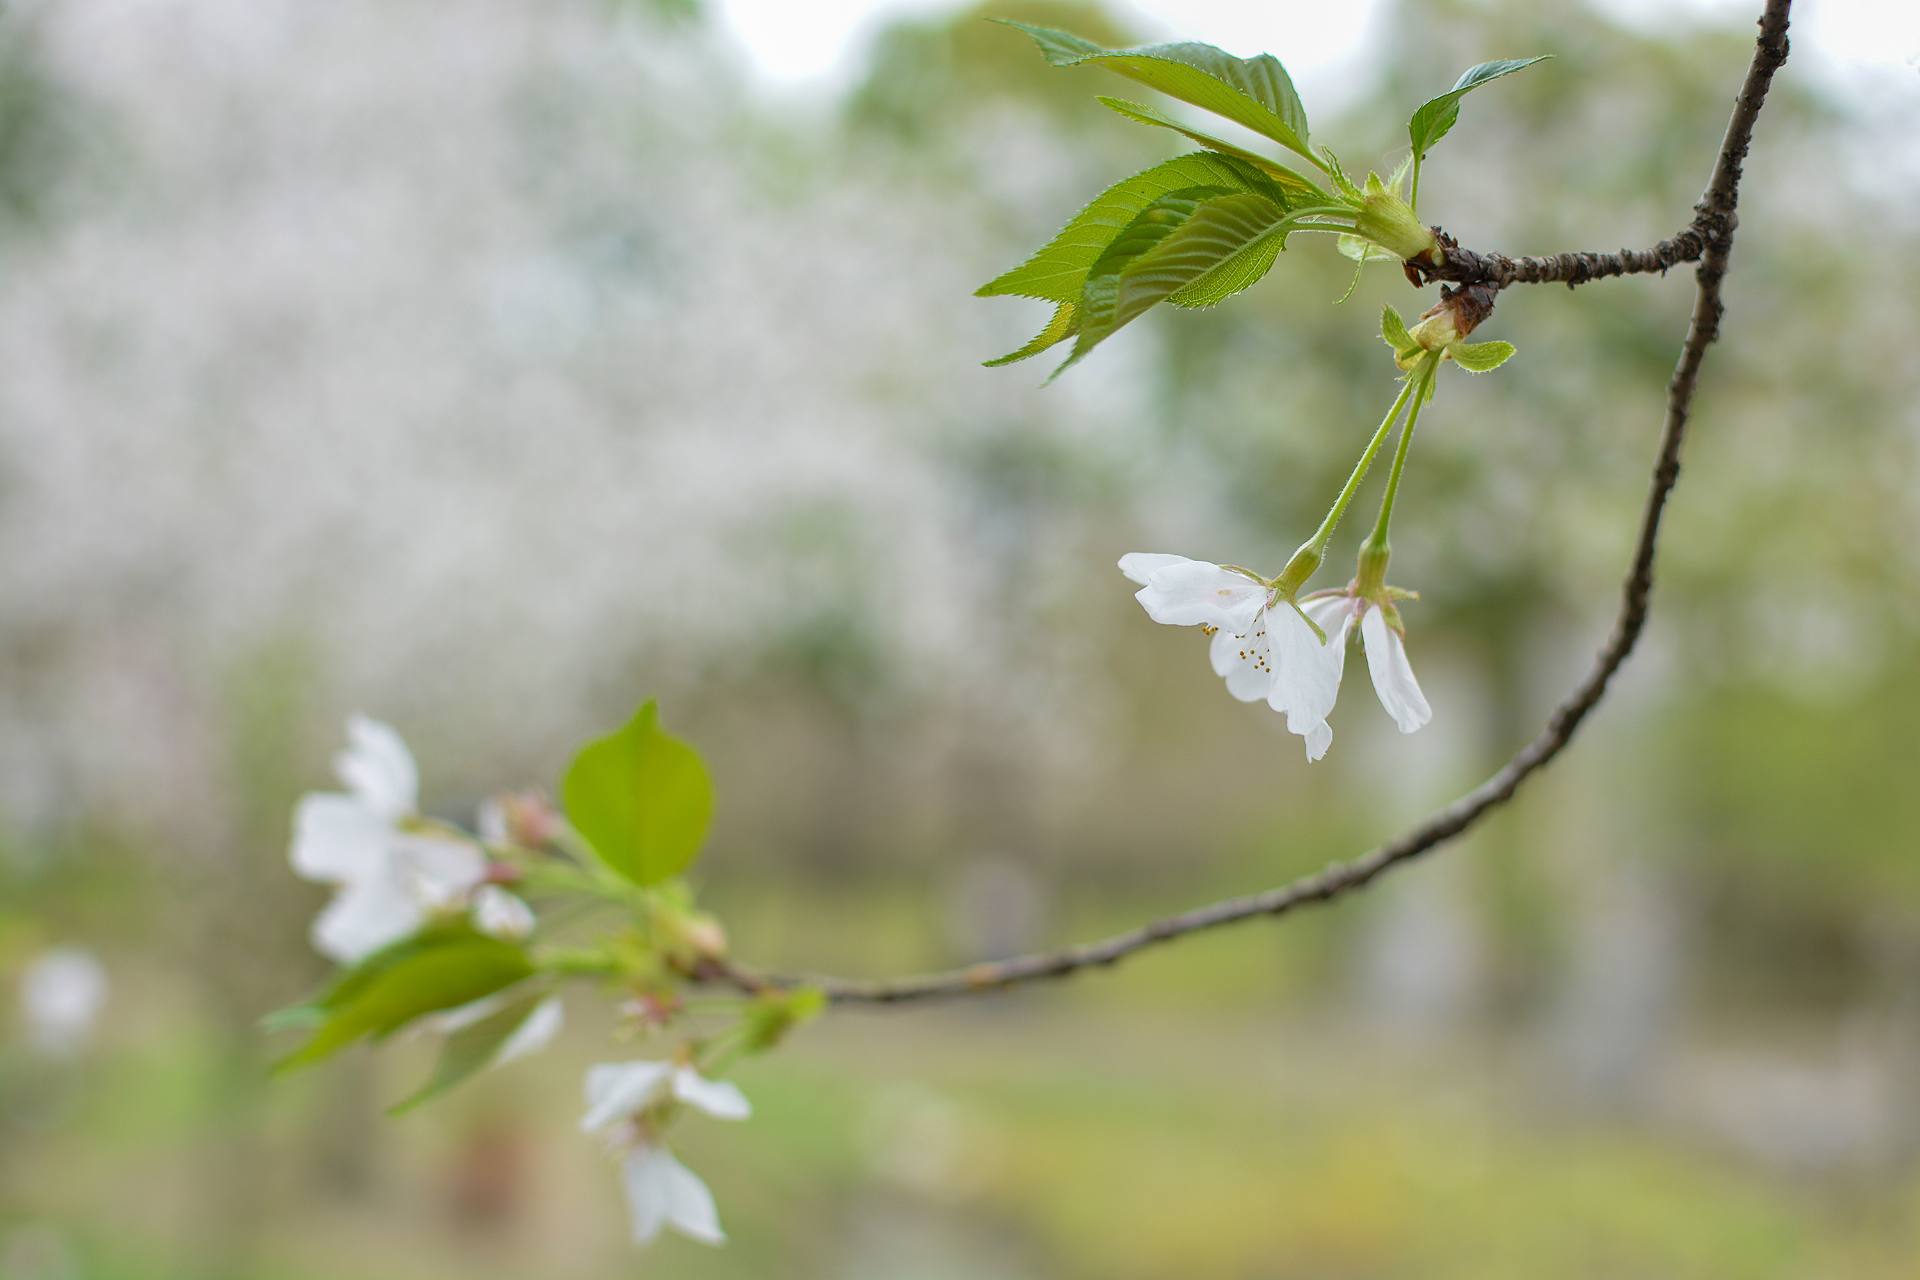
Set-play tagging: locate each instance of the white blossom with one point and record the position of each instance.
(392, 873)
(1393, 678)
(500, 914)
(1265, 648)
(624, 1102)
(61, 995)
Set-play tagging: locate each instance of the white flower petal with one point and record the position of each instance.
(690, 1207)
(337, 838)
(1244, 661)
(1194, 592)
(616, 1090)
(648, 1195)
(440, 870)
(500, 914)
(1392, 673)
(535, 1033)
(663, 1192)
(1319, 738)
(378, 768)
(1140, 565)
(366, 915)
(717, 1098)
(1306, 673)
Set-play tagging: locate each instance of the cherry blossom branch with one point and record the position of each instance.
(1708, 239)
(1465, 266)
(1702, 240)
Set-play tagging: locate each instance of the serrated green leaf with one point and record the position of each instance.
(1100, 299)
(1065, 323)
(1393, 331)
(1480, 357)
(1297, 190)
(642, 799)
(472, 1049)
(1226, 246)
(1200, 251)
(1255, 92)
(1435, 117)
(450, 973)
(1058, 272)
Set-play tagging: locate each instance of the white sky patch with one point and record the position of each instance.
(818, 44)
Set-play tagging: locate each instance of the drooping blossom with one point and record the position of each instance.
(1382, 638)
(1263, 645)
(629, 1103)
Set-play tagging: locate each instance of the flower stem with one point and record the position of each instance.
(1428, 366)
(1325, 533)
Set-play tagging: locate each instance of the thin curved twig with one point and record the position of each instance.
(1712, 232)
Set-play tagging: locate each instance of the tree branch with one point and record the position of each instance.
(1466, 267)
(1709, 239)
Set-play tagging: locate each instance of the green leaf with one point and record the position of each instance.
(1227, 246)
(642, 799)
(1437, 116)
(1065, 323)
(472, 1049)
(1298, 190)
(1100, 299)
(1255, 92)
(1480, 357)
(1393, 331)
(455, 970)
(1058, 272)
(350, 982)
(1196, 251)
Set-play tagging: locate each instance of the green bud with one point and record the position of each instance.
(1436, 330)
(1388, 221)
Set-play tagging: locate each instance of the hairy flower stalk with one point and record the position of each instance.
(1371, 603)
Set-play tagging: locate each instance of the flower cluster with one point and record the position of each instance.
(1268, 648)
(394, 869)
(430, 939)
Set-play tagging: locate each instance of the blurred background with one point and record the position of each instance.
(491, 368)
